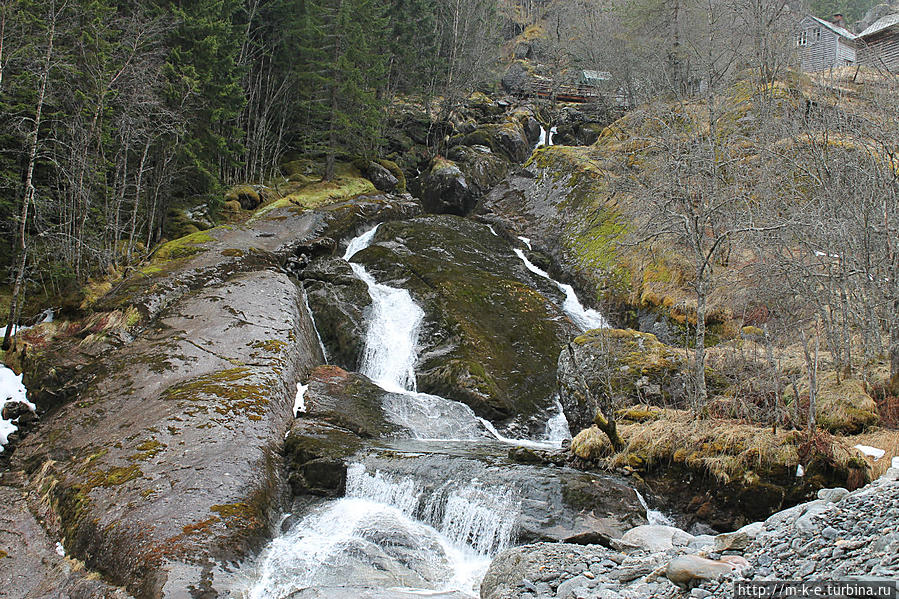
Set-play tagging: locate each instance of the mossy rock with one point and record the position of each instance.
(489, 338)
(347, 400)
(317, 453)
(634, 367)
(397, 172)
(245, 195)
(445, 190)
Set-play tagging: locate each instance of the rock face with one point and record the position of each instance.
(489, 339)
(339, 300)
(340, 410)
(31, 566)
(133, 470)
(634, 367)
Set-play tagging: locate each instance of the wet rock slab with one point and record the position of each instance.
(167, 464)
(556, 504)
(31, 566)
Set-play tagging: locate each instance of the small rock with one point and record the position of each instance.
(832, 495)
(699, 593)
(830, 533)
(567, 589)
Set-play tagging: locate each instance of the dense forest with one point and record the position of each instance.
(113, 112)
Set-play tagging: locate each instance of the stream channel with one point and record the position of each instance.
(424, 515)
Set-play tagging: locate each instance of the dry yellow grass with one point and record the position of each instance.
(725, 449)
(888, 440)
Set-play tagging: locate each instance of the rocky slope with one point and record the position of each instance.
(842, 535)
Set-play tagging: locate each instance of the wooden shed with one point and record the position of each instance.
(823, 45)
(879, 44)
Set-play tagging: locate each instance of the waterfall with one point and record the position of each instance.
(389, 356)
(546, 138)
(557, 429)
(584, 318)
(395, 532)
(653, 516)
(398, 532)
(318, 336)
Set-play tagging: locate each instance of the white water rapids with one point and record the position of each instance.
(390, 533)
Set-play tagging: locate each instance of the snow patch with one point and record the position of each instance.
(526, 241)
(800, 471)
(874, 452)
(11, 391)
(60, 550)
(492, 230)
(299, 404)
(895, 463)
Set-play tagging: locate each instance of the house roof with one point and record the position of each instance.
(880, 24)
(835, 28)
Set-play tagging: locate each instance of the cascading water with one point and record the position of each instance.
(389, 356)
(653, 516)
(393, 535)
(584, 318)
(546, 137)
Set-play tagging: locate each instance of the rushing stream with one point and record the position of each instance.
(407, 527)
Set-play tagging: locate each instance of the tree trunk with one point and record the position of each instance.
(701, 393)
(894, 351)
(28, 196)
(811, 366)
(604, 419)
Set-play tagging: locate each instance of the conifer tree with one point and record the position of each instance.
(204, 74)
(342, 41)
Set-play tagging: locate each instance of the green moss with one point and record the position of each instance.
(239, 515)
(3, 554)
(397, 172)
(348, 184)
(246, 192)
(114, 476)
(233, 253)
(240, 397)
(147, 450)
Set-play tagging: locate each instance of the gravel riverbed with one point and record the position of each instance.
(839, 536)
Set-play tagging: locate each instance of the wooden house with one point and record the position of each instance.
(823, 45)
(879, 44)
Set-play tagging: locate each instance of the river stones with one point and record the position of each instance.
(655, 537)
(491, 334)
(686, 570)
